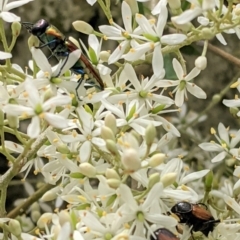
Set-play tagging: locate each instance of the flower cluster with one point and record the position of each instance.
(115, 149)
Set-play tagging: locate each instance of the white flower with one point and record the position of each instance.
(232, 104)
(38, 110)
(225, 146)
(106, 226)
(142, 89)
(204, 21)
(154, 35)
(150, 30)
(183, 84)
(89, 134)
(94, 54)
(175, 167)
(47, 74)
(130, 114)
(196, 9)
(141, 215)
(115, 32)
(5, 7)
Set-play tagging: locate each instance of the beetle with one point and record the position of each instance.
(195, 215)
(60, 47)
(163, 234)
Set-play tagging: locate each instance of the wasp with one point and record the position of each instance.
(60, 47)
(163, 234)
(195, 215)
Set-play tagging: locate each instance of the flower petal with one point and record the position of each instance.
(5, 55)
(56, 120)
(178, 68)
(127, 17)
(9, 17)
(196, 91)
(33, 129)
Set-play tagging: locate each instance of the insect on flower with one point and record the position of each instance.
(163, 234)
(60, 47)
(195, 215)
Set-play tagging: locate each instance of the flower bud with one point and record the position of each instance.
(63, 148)
(136, 136)
(16, 28)
(33, 41)
(112, 147)
(72, 39)
(207, 33)
(13, 121)
(87, 169)
(131, 160)
(150, 134)
(186, 27)
(216, 98)
(230, 162)
(15, 227)
(113, 183)
(45, 219)
(110, 121)
(50, 194)
(107, 133)
(153, 179)
(104, 56)
(157, 159)
(111, 173)
(83, 27)
(234, 111)
(168, 179)
(201, 62)
(35, 207)
(174, 4)
(64, 217)
(35, 215)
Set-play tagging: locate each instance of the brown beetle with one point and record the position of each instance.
(163, 234)
(195, 215)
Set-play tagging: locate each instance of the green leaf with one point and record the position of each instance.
(170, 73)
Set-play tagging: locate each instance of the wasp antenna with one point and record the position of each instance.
(27, 25)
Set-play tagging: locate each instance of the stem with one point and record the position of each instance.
(4, 41)
(213, 103)
(106, 10)
(4, 151)
(29, 152)
(10, 130)
(14, 38)
(29, 201)
(230, 58)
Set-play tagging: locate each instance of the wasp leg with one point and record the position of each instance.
(65, 61)
(77, 87)
(47, 44)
